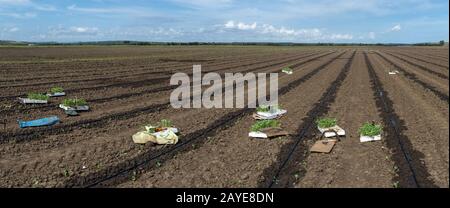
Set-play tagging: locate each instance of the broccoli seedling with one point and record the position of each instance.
(326, 122)
(264, 124)
(56, 90)
(165, 123)
(37, 96)
(263, 108)
(286, 69)
(370, 129)
(74, 102)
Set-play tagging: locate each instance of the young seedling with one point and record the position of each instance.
(165, 123)
(67, 173)
(326, 122)
(37, 96)
(329, 128)
(287, 70)
(263, 108)
(264, 124)
(370, 130)
(55, 90)
(74, 102)
(133, 176)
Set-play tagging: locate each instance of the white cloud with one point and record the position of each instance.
(371, 35)
(15, 2)
(267, 30)
(339, 37)
(17, 15)
(13, 29)
(396, 28)
(240, 25)
(121, 11)
(84, 29)
(27, 3)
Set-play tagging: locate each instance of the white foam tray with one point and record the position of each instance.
(77, 108)
(369, 138)
(255, 134)
(340, 131)
(56, 94)
(271, 115)
(32, 101)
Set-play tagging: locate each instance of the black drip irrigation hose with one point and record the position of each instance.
(442, 96)
(229, 118)
(315, 111)
(391, 121)
(30, 134)
(423, 68)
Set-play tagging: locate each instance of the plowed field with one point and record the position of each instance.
(128, 87)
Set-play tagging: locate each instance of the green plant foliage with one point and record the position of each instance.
(265, 124)
(326, 122)
(165, 123)
(37, 96)
(56, 90)
(286, 69)
(74, 102)
(369, 129)
(263, 108)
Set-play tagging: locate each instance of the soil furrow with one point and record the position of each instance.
(405, 156)
(423, 60)
(282, 172)
(443, 96)
(200, 134)
(151, 90)
(439, 74)
(409, 115)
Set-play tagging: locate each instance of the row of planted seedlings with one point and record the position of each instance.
(164, 133)
(267, 125)
(331, 133)
(71, 107)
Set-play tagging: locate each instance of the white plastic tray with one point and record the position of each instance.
(255, 134)
(369, 138)
(340, 131)
(77, 108)
(271, 115)
(56, 94)
(32, 101)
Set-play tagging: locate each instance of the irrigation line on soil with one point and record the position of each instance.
(390, 117)
(221, 123)
(422, 60)
(93, 122)
(158, 80)
(312, 115)
(115, 76)
(113, 69)
(166, 88)
(421, 67)
(141, 73)
(414, 78)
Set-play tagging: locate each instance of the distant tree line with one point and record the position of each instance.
(143, 43)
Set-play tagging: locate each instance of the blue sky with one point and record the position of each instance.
(369, 21)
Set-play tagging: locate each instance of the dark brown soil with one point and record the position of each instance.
(128, 87)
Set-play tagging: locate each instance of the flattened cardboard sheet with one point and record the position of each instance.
(323, 146)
